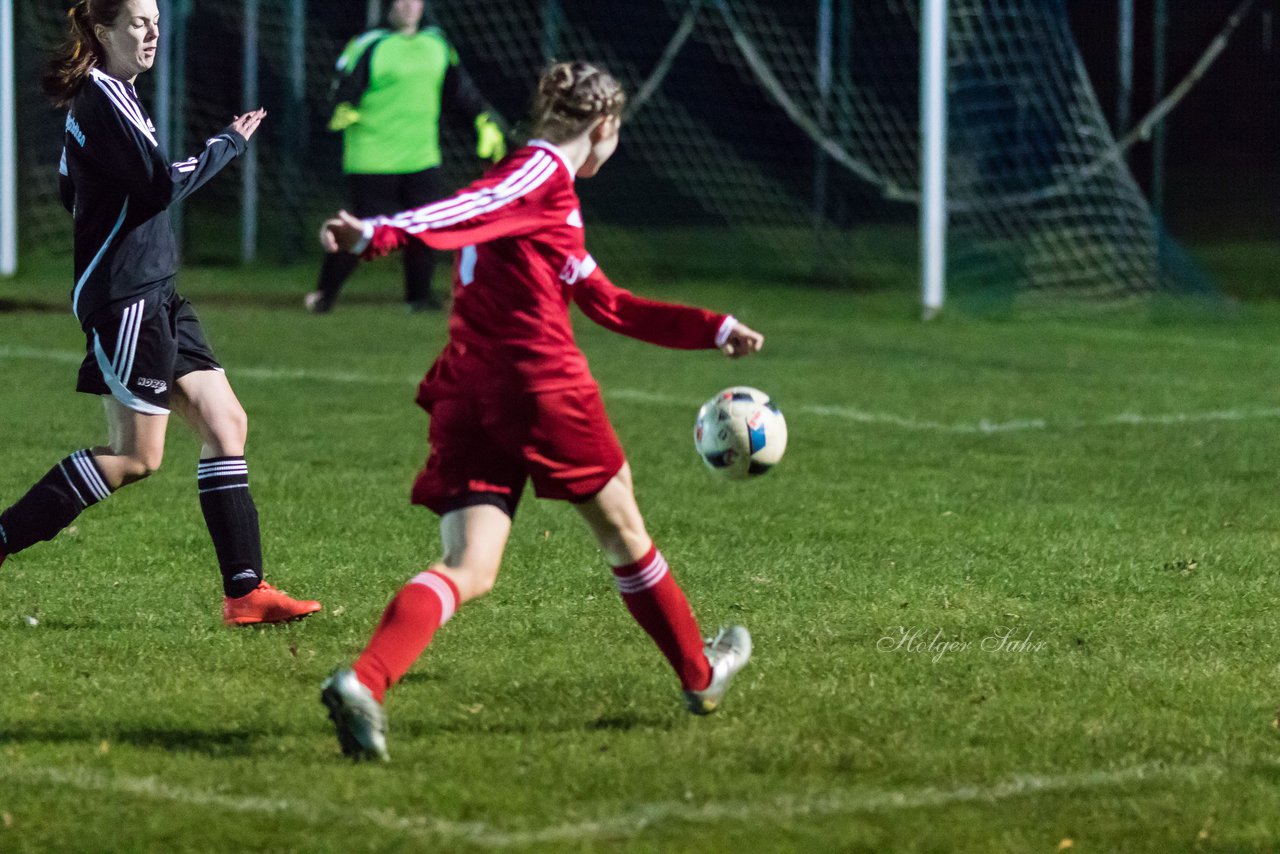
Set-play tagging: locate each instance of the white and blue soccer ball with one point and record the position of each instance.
(740, 433)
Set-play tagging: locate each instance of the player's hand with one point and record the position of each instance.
(344, 116)
(742, 341)
(491, 143)
(248, 123)
(341, 233)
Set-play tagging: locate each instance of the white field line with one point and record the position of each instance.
(70, 358)
(849, 413)
(312, 812)
(779, 808)
(1179, 342)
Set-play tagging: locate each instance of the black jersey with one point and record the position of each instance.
(118, 184)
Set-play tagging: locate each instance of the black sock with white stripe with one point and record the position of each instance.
(53, 503)
(232, 518)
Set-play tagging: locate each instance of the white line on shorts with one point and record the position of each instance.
(633, 821)
(849, 413)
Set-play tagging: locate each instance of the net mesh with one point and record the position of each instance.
(758, 140)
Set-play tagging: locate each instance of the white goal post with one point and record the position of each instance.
(933, 157)
(8, 146)
(1016, 154)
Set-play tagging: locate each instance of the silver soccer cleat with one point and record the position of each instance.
(728, 652)
(356, 715)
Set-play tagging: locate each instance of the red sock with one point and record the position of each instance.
(658, 605)
(423, 605)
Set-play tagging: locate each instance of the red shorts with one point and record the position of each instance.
(483, 449)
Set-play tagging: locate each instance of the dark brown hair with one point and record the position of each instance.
(571, 96)
(69, 66)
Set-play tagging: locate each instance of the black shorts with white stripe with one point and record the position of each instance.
(138, 347)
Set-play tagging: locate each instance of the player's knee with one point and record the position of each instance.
(615, 520)
(226, 433)
(481, 583)
(624, 541)
(473, 581)
(482, 572)
(140, 465)
(474, 574)
(231, 429)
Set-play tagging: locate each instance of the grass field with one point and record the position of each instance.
(1101, 494)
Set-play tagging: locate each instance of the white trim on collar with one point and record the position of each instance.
(555, 149)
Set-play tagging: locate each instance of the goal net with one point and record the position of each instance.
(773, 139)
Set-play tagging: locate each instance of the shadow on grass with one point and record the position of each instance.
(227, 742)
(23, 306)
(623, 723)
(490, 724)
(206, 743)
(504, 710)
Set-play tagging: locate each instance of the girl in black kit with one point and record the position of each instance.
(146, 353)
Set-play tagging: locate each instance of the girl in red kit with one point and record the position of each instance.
(511, 399)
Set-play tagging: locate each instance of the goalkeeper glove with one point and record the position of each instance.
(344, 116)
(491, 142)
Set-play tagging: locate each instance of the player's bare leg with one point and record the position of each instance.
(615, 520)
(135, 444)
(205, 401)
(474, 539)
(656, 601)
(134, 449)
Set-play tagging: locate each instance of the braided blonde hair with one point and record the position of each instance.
(571, 97)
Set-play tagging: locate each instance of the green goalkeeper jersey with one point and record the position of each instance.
(399, 85)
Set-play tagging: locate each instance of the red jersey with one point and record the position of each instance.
(522, 259)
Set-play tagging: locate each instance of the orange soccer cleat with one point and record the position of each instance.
(265, 604)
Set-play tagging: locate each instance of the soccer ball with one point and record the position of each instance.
(740, 433)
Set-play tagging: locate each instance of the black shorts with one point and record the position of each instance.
(138, 347)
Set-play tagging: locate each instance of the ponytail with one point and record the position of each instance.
(69, 67)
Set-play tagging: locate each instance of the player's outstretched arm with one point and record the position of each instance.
(742, 341)
(666, 324)
(187, 176)
(127, 153)
(342, 232)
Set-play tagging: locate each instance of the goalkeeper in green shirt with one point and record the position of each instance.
(392, 89)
